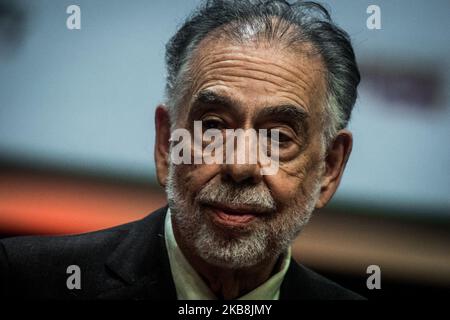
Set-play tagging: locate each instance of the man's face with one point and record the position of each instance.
(229, 214)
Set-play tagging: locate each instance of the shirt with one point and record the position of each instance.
(190, 286)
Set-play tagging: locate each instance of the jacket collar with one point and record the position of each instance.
(141, 261)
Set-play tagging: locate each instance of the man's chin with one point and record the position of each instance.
(225, 244)
(229, 247)
(229, 260)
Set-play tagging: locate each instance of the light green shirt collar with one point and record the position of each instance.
(190, 286)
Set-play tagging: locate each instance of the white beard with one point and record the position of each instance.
(270, 237)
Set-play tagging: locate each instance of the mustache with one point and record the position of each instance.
(237, 195)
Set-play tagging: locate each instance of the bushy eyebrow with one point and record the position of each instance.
(294, 115)
(210, 97)
(206, 99)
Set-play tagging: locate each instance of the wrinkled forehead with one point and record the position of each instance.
(259, 69)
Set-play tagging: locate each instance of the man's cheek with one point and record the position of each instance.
(197, 176)
(284, 186)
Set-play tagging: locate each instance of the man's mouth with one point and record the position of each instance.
(234, 216)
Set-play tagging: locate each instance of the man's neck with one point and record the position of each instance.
(224, 282)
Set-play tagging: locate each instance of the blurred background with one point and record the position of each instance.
(77, 133)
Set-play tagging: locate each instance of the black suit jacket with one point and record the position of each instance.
(125, 262)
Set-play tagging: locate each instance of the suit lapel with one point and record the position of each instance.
(295, 285)
(141, 262)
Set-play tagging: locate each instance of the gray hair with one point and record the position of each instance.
(289, 23)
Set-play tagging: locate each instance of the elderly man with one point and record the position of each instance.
(227, 230)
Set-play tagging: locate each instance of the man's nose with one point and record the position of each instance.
(240, 173)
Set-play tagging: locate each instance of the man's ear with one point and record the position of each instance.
(335, 161)
(162, 143)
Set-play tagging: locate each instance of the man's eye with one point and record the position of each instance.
(281, 138)
(212, 124)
